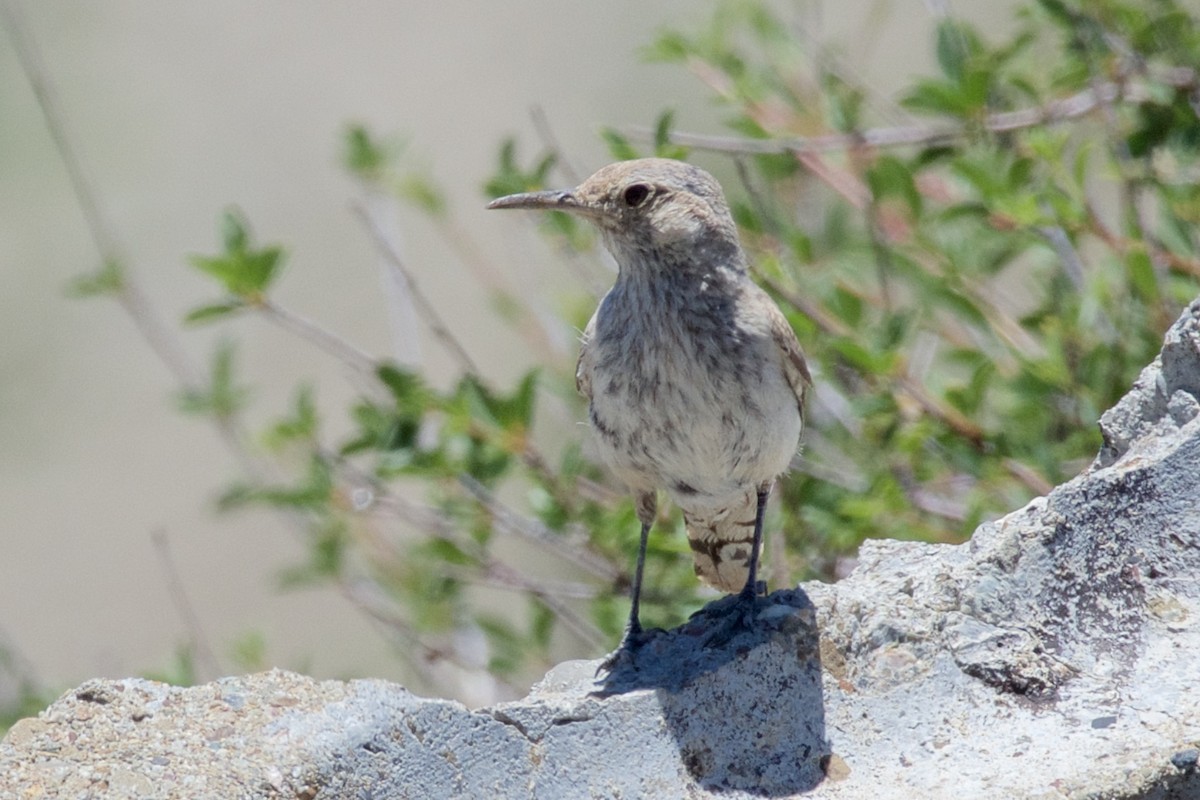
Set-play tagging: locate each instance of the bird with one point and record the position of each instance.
(694, 378)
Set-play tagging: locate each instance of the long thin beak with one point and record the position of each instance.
(555, 199)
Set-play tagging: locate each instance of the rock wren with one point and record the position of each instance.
(694, 378)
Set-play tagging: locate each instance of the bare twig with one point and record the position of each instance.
(502, 575)
(99, 226)
(158, 335)
(30, 59)
(827, 323)
(492, 571)
(1077, 105)
(508, 520)
(424, 307)
(129, 295)
(497, 575)
(1029, 476)
(366, 596)
(321, 338)
(1123, 245)
(382, 206)
(761, 209)
(206, 659)
(541, 124)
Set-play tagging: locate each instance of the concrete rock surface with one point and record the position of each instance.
(1055, 655)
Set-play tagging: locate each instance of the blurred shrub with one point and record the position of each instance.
(973, 288)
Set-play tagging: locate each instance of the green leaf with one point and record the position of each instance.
(861, 357)
(300, 426)
(249, 652)
(222, 398)
(937, 97)
(510, 178)
(777, 166)
(618, 146)
(511, 412)
(181, 672)
(845, 102)
(669, 47)
(505, 644)
(213, 311)
(847, 305)
(424, 194)
(1141, 274)
(235, 231)
(243, 272)
(326, 556)
(889, 176)
(542, 626)
(662, 130)
(953, 48)
(663, 146)
(448, 552)
(362, 155)
(575, 233)
(108, 279)
(407, 387)
(1058, 11)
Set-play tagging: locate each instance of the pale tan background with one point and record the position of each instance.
(180, 109)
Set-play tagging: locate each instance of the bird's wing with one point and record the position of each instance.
(583, 367)
(795, 368)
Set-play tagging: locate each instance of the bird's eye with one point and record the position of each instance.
(636, 194)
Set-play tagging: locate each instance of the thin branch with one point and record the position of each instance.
(1029, 476)
(152, 329)
(503, 576)
(1123, 245)
(99, 226)
(319, 337)
(508, 520)
(431, 316)
(366, 596)
(155, 332)
(494, 572)
(761, 209)
(206, 658)
(541, 125)
(825, 321)
(382, 206)
(1072, 107)
(947, 414)
(30, 59)
(498, 575)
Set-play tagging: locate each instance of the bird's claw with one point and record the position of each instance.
(733, 614)
(623, 656)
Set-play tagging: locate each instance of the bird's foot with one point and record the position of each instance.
(732, 615)
(623, 657)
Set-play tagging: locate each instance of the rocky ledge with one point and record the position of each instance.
(1055, 655)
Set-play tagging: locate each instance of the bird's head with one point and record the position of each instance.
(645, 208)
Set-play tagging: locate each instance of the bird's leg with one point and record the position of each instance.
(736, 612)
(634, 636)
(633, 628)
(752, 589)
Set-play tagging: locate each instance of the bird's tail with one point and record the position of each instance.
(722, 541)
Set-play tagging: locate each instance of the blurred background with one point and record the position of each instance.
(180, 110)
